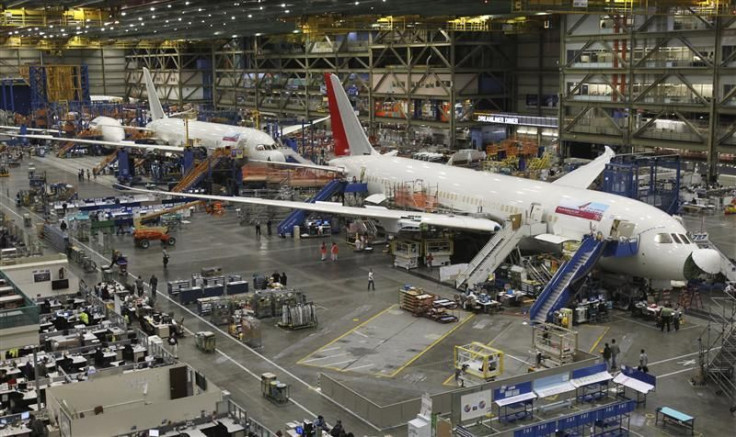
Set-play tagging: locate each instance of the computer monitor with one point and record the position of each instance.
(26, 415)
(153, 433)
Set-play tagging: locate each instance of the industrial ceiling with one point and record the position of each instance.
(58, 21)
(208, 19)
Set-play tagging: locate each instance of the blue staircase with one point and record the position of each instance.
(557, 292)
(297, 216)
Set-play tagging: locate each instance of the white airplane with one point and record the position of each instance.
(257, 145)
(569, 209)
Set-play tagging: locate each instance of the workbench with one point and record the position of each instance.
(671, 415)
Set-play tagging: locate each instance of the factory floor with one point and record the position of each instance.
(355, 337)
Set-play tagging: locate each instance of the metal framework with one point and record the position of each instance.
(650, 81)
(405, 76)
(179, 71)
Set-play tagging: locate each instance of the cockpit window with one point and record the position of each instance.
(260, 147)
(662, 239)
(676, 238)
(685, 239)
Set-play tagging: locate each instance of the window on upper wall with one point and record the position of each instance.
(662, 239)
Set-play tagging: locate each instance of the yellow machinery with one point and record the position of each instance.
(138, 221)
(482, 361)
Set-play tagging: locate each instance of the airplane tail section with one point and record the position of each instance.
(157, 111)
(346, 129)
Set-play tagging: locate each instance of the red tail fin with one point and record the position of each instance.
(338, 129)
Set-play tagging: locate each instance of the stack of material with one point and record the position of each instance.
(298, 316)
(422, 304)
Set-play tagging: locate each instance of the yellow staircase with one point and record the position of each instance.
(66, 147)
(198, 172)
(107, 161)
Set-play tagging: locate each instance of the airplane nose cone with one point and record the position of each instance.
(706, 260)
(276, 157)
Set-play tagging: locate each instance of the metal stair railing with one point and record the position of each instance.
(557, 290)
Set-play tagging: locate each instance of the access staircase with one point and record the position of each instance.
(109, 159)
(718, 347)
(198, 173)
(66, 147)
(492, 254)
(297, 216)
(557, 292)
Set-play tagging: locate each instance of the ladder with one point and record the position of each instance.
(297, 216)
(491, 255)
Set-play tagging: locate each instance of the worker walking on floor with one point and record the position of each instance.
(643, 361)
(258, 228)
(139, 285)
(607, 356)
(153, 283)
(460, 375)
(334, 251)
(166, 258)
(676, 319)
(323, 251)
(174, 343)
(665, 317)
(371, 283)
(268, 228)
(615, 350)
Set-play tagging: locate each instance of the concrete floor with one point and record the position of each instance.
(338, 290)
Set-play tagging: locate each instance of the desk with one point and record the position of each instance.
(522, 406)
(553, 390)
(593, 386)
(15, 431)
(490, 305)
(640, 387)
(677, 417)
(233, 428)
(160, 329)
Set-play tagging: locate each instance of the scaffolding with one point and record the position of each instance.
(654, 180)
(557, 345)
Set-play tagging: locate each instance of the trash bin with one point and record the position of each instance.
(27, 220)
(107, 275)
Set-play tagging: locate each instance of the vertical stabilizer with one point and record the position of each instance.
(157, 111)
(346, 129)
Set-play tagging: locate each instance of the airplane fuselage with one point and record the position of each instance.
(257, 144)
(569, 212)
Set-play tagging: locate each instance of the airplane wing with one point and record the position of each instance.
(29, 129)
(585, 175)
(391, 218)
(329, 168)
(288, 130)
(102, 142)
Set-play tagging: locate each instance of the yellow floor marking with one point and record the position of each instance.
(433, 344)
(343, 336)
(599, 340)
